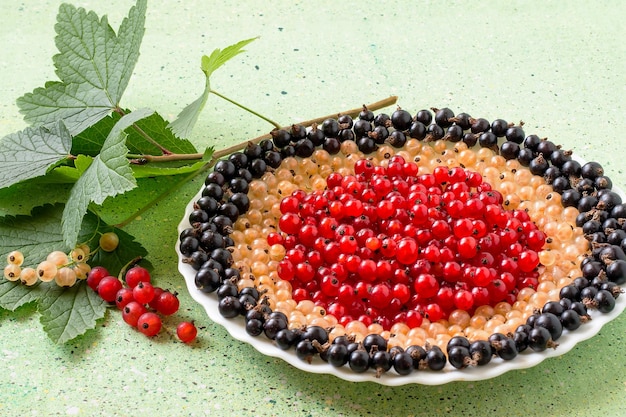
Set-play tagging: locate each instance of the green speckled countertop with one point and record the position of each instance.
(558, 66)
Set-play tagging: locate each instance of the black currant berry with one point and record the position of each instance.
(443, 116)
(330, 127)
(359, 361)
(424, 116)
(401, 119)
(337, 355)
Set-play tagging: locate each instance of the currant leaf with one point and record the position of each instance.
(187, 118)
(90, 141)
(35, 235)
(31, 152)
(108, 175)
(69, 312)
(13, 294)
(40, 192)
(93, 64)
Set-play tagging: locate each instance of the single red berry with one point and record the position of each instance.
(390, 248)
(132, 311)
(434, 312)
(380, 296)
(413, 319)
(167, 303)
(275, 238)
(143, 292)
(123, 297)
(135, 275)
(467, 247)
(528, 260)
(108, 287)
(95, 276)
(149, 324)
(463, 300)
(186, 332)
(290, 223)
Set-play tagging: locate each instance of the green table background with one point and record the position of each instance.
(558, 66)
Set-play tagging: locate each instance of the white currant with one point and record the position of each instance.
(12, 272)
(82, 270)
(66, 277)
(46, 271)
(15, 258)
(78, 255)
(29, 276)
(58, 257)
(109, 241)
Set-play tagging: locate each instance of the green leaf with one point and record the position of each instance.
(90, 141)
(93, 64)
(69, 312)
(14, 294)
(220, 56)
(109, 174)
(186, 120)
(31, 152)
(36, 235)
(23, 197)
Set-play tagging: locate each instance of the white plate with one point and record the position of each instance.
(497, 366)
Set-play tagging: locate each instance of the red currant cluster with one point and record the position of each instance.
(389, 245)
(142, 304)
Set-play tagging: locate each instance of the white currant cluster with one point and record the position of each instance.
(63, 268)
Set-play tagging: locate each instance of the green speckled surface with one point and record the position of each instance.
(558, 66)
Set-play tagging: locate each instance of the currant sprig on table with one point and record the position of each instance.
(60, 267)
(408, 241)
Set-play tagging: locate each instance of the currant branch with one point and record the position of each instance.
(142, 159)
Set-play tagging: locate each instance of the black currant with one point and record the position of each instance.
(592, 170)
(570, 320)
(417, 130)
(459, 356)
(424, 116)
(443, 116)
(481, 352)
(376, 340)
(499, 127)
(359, 361)
(479, 125)
(515, 134)
(337, 355)
(332, 145)
(280, 137)
(330, 127)
(229, 307)
(401, 119)
(286, 338)
(403, 363)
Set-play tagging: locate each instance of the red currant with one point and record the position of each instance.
(143, 292)
(135, 275)
(108, 288)
(123, 297)
(95, 276)
(186, 332)
(149, 324)
(167, 303)
(132, 311)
